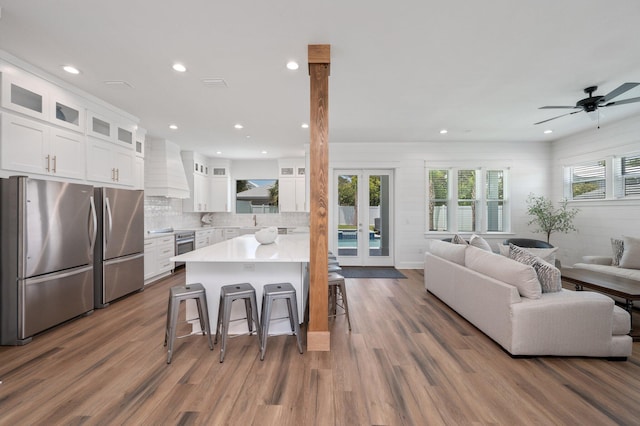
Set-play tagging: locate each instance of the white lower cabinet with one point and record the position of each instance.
(203, 238)
(157, 252)
(32, 147)
(110, 163)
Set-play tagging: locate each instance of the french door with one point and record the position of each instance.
(363, 217)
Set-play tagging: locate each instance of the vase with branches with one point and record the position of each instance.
(547, 219)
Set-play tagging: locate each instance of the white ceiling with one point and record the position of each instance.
(400, 71)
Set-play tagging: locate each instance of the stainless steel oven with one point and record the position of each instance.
(185, 242)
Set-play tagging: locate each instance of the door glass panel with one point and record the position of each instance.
(379, 215)
(348, 215)
(100, 126)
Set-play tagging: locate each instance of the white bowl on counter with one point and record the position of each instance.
(267, 235)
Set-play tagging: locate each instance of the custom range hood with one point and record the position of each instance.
(163, 172)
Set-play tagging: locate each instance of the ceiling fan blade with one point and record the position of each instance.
(558, 107)
(617, 92)
(569, 113)
(622, 102)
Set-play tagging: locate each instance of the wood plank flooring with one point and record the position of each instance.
(409, 360)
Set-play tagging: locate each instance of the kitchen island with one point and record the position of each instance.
(243, 259)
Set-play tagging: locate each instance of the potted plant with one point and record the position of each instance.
(548, 219)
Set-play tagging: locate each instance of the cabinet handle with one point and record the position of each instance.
(48, 157)
(55, 163)
(118, 175)
(113, 174)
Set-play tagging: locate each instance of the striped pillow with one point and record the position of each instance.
(618, 249)
(548, 275)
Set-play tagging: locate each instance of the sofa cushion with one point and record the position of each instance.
(617, 246)
(621, 323)
(481, 243)
(501, 268)
(548, 275)
(631, 255)
(451, 252)
(632, 274)
(546, 254)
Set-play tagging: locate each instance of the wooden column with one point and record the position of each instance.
(318, 336)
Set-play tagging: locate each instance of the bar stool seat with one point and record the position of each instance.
(337, 285)
(270, 293)
(176, 295)
(229, 294)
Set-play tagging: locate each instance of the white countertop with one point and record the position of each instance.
(286, 248)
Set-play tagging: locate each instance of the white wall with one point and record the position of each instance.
(529, 172)
(597, 220)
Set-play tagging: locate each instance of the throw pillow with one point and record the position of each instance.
(501, 268)
(457, 239)
(631, 256)
(479, 242)
(546, 254)
(548, 275)
(618, 248)
(451, 252)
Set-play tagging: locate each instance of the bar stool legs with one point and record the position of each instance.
(229, 294)
(337, 285)
(176, 295)
(273, 292)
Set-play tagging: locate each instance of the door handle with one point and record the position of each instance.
(94, 225)
(109, 221)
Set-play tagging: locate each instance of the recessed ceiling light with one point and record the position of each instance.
(444, 131)
(292, 65)
(238, 126)
(305, 126)
(248, 136)
(173, 127)
(546, 132)
(218, 152)
(71, 69)
(179, 67)
(263, 152)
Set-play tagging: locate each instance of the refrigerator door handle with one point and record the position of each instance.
(93, 227)
(110, 221)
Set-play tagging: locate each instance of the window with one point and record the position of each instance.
(257, 196)
(438, 200)
(477, 197)
(466, 213)
(630, 176)
(587, 181)
(495, 200)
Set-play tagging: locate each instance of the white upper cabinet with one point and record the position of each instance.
(292, 185)
(30, 146)
(109, 163)
(50, 129)
(197, 169)
(220, 182)
(25, 94)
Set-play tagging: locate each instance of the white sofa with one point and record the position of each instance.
(565, 323)
(604, 264)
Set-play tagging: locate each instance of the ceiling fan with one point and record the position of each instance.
(592, 103)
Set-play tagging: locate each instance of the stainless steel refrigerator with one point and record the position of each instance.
(119, 253)
(47, 238)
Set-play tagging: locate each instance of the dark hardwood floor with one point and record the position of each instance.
(410, 360)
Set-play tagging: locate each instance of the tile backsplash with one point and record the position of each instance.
(161, 212)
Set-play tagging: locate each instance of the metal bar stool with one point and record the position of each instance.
(273, 292)
(337, 285)
(176, 295)
(229, 294)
